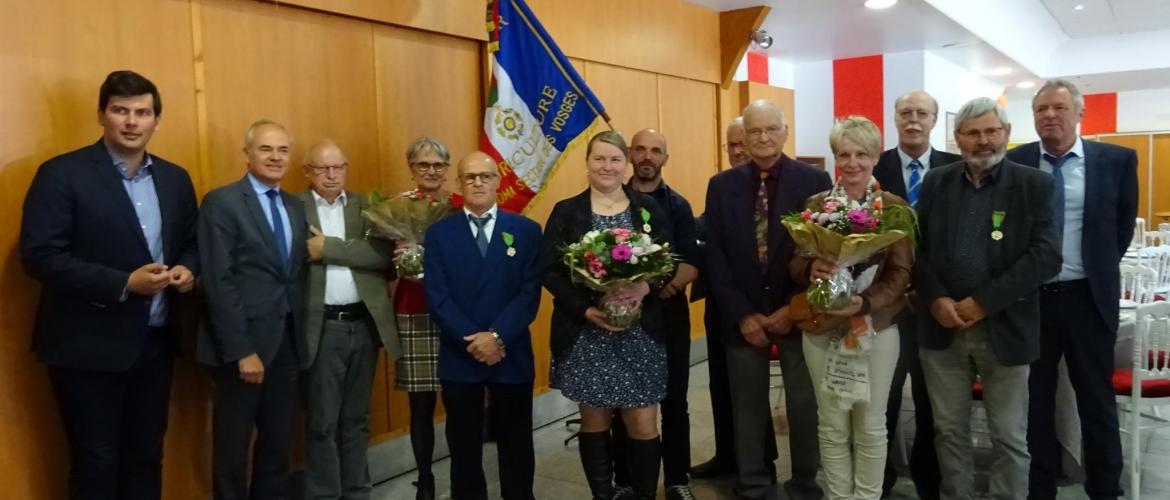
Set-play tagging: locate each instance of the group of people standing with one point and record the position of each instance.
(1014, 267)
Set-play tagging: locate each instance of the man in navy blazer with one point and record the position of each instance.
(900, 171)
(252, 340)
(1097, 193)
(109, 231)
(483, 290)
(748, 277)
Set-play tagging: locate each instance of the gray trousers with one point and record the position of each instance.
(338, 409)
(747, 373)
(949, 375)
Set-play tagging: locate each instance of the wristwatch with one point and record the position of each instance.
(499, 341)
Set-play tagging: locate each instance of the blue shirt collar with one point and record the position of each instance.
(260, 187)
(1077, 149)
(120, 163)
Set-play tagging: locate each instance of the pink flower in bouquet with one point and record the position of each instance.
(806, 215)
(621, 252)
(831, 205)
(823, 218)
(596, 268)
(621, 235)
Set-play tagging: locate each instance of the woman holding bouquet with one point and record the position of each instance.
(600, 366)
(416, 371)
(864, 333)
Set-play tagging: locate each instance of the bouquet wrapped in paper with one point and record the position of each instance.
(848, 233)
(404, 218)
(612, 260)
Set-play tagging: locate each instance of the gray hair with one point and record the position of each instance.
(422, 144)
(251, 132)
(1078, 99)
(765, 105)
(977, 107)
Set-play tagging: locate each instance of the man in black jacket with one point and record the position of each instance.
(900, 171)
(109, 231)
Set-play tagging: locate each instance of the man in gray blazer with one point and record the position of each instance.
(254, 236)
(348, 314)
(988, 242)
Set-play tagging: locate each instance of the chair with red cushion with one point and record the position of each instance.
(1148, 378)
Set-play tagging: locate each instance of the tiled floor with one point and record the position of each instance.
(559, 476)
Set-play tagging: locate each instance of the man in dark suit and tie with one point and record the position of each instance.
(1095, 205)
(109, 231)
(483, 290)
(987, 244)
(348, 314)
(254, 234)
(747, 263)
(900, 171)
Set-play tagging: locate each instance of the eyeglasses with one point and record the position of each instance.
(990, 133)
(733, 145)
(325, 169)
(772, 130)
(907, 114)
(484, 177)
(422, 166)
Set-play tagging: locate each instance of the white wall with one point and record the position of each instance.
(1023, 126)
(813, 93)
(1143, 110)
(952, 86)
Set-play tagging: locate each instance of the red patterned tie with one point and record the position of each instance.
(761, 219)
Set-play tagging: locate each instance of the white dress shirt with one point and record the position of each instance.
(488, 228)
(906, 159)
(340, 289)
(1073, 171)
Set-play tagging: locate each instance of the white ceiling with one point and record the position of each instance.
(1109, 17)
(1101, 46)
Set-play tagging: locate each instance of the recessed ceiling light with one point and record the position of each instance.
(1000, 71)
(1079, 7)
(1026, 84)
(880, 4)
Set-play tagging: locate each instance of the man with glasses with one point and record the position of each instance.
(987, 244)
(483, 290)
(348, 314)
(900, 171)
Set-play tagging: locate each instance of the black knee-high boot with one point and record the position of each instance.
(597, 462)
(422, 440)
(645, 458)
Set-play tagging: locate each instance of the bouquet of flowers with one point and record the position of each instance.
(609, 261)
(847, 232)
(404, 218)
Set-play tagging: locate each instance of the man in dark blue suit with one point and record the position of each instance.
(109, 231)
(1096, 194)
(254, 234)
(483, 289)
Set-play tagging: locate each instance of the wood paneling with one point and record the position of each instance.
(462, 18)
(689, 126)
(752, 91)
(735, 31)
(1141, 144)
(1160, 178)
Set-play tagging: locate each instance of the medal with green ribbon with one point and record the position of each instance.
(645, 221)
(508, 240)
(996, 222)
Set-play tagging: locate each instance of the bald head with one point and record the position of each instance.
(479, 178)
(763, 123)
(325, 167)
(648, 155)
(736, 144)
(915, 114)
(476, 159)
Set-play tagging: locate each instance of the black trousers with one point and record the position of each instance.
(115, 422)
(511, 410)
(1072, 327)
(923, 458)
(268, 407)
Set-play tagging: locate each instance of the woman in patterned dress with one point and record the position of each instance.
(416, 370)
(595, 364)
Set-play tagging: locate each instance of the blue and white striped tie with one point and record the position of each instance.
(915, 184)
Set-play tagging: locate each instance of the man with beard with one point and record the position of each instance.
(987, 244)
(1079, 308)
(900, 171)
(648, 155)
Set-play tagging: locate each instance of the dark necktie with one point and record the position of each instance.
(277, 227)
(1058, 189)
(914, 187)
(761, 220)
(481, 239)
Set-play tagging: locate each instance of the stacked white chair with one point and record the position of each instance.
(1160, 261)
(1139, 234)
(1151, 362)
(1137, 285)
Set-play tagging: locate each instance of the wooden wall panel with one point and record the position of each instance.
(1141, 144)
(729, 108)
(688, 119)
(751, 91)
(309, 71)
(1160, 178)
(462, 18)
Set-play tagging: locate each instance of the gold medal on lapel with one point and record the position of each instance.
(511, 252)
(509, 240)
(996, 221)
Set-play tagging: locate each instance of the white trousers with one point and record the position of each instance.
(853, 441)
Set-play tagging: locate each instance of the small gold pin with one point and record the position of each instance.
(997, 235)
(511, 252)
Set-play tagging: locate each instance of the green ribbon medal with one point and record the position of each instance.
(508, 240)
(645, 220)
(996, 222)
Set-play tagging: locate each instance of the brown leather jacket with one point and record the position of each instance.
(887, 293)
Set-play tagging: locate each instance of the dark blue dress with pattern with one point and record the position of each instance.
(603, 369)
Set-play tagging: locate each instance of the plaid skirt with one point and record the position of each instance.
(417, 369)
